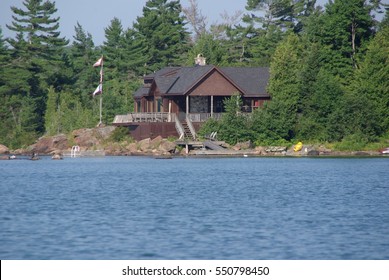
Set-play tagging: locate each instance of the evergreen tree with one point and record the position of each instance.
(278, 119)
(83, 55)
(234, 126)
(286, 14)
(113, 47)
(213, 50)
(37, 49)
(372, 86)
(317, 122)
(347, 26)
(262, 45)
(135, 55)
(164, 28)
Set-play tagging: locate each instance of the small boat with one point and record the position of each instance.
(298, 147)
(385, 151)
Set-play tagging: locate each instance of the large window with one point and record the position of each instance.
(159, 105)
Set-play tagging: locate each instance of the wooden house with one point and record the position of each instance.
(175, 101)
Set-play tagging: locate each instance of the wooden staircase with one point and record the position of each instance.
(187, 133)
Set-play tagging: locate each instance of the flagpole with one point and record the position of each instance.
(101, 95)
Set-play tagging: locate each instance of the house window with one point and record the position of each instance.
(159, 105)
(246, 107)
(138, 106)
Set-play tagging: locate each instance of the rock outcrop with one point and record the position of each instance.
(87, 138)
(47, 144)
(3, 149)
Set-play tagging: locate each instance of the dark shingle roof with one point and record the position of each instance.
(252, 81)
(143, 91)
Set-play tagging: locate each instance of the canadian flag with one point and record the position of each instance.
(98, 90)
(99, 62)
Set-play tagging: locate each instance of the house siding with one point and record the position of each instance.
(214, 84)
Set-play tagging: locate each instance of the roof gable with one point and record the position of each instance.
(214, 83)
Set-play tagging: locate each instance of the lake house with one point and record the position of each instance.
(175, 101)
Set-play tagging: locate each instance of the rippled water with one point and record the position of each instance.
(219, 208)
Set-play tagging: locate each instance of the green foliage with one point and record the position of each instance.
(210, 48)
(117, 98)
(164, 28)
(278, 119)
(121, 134)
(210, 126)
(316, 121)
(347, 26)
(372, 79)
(352, 142)
(65, 113)
(233, 127)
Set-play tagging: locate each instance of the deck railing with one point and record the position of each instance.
(162, 117)
(202, 117)
(144, 117)
(179, 128)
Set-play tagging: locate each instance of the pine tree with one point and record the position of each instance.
(347, 26)
(164, 28)
(37, 48)
(286, 14)
(372, 85)
(278, 119)
(135, 55)
(83, 55)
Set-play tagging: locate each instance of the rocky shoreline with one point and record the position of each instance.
(97, 141)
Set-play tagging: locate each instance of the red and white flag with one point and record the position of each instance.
(98, 62)
(98, 90)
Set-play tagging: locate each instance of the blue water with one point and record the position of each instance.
(195, 208)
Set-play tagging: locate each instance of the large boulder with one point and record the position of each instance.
(132, 148)
(144, 145)
(156, 142)
(91, 137)
(47, 145)
(167, 146)
(3, 149)
(243, 146)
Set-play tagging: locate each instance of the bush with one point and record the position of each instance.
(352, 142)
(121, 134)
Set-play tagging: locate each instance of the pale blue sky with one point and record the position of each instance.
(95, 15)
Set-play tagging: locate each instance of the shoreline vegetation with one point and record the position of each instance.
(106, 141)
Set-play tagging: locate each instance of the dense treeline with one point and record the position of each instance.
(329, 68)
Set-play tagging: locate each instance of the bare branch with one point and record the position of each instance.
(196, 19)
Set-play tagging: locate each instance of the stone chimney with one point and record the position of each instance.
(200, 60)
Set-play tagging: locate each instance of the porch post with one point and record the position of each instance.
(170, 111)
(211, 106)
(187, 104)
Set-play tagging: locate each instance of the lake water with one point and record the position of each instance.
(195, 208)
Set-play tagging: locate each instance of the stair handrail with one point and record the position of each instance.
(179, 128)
(191, 128)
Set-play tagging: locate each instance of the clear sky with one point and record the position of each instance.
(95, 15)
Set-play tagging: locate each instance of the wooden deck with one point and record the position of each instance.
(143, 118)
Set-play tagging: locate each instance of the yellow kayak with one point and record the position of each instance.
(298, 147)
